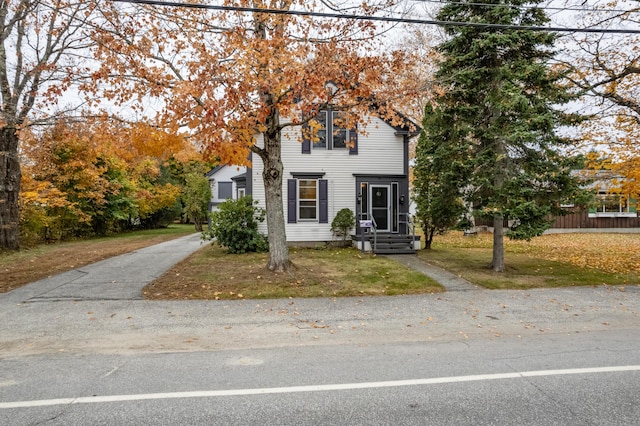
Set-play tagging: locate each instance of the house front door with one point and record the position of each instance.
(380, 206)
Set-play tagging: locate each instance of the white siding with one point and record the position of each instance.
(380, 152)
(224, 175)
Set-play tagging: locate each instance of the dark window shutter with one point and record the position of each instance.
(292, 192)
(323, 198)
(306, 143)
(353, 138)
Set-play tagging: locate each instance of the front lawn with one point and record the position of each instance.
(211, 273)
(555, 260)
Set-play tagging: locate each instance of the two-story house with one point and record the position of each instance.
(366, 171)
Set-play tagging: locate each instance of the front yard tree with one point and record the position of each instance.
(441, 165)
(499, 107)
(606, 69)
(232, 78)
(39, 50)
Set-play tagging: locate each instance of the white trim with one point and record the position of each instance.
(613, 214)
(317, 201)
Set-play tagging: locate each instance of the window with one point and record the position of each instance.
(308, 199)
(225, 190)
(321, 134)
(341, 133)
(613, 205)
(241, 192)
(329, 130)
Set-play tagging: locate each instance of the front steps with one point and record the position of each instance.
(389, 243)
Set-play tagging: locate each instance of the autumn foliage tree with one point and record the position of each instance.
(40, 49)
(606, 71)
(236, 78)
(99, 176)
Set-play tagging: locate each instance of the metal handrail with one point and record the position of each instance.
(411, 226)
(375, 234)
(368, 216)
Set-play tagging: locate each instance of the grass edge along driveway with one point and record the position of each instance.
(45, 260)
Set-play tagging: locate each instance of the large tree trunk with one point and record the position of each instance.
(272, 177)
(10, 176)
(271, 156)
(497, 263)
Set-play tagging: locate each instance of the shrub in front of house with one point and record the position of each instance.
(235, 226)
(343, 223)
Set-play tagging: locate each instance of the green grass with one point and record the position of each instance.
(213, 274)
(526, 266)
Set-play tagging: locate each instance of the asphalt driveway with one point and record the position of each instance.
(118, 278)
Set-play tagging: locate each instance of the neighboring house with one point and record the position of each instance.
(612, 211)
(366, 171)
(227, 182)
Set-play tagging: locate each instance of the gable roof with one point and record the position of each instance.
(215, 170)
(406, 126)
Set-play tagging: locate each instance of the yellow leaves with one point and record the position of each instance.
(41, 193)
(149, 141)
(614, 253)
(156, 198)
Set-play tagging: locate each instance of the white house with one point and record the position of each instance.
(227, 182)
(366, 171)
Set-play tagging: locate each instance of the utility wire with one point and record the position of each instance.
(378, 18)
(568, 9)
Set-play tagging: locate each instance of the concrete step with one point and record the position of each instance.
(395, 251)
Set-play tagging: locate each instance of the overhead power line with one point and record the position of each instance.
(513, 6)
(378, 18)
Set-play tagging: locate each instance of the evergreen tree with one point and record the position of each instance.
(500, 117)
(439, 173)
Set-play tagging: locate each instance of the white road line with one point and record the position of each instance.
(314, 388)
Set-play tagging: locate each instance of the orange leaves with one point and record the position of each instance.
(220, 75)
(606, 69)
(615, 253)
(99, 171)
(149, 141)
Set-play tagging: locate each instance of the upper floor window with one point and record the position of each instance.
(341, 133)
(330, 130)
(321, 132)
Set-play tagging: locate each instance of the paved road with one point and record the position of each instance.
(550, 379)
(61, 340)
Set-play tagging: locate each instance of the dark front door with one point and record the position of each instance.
(380, 206)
